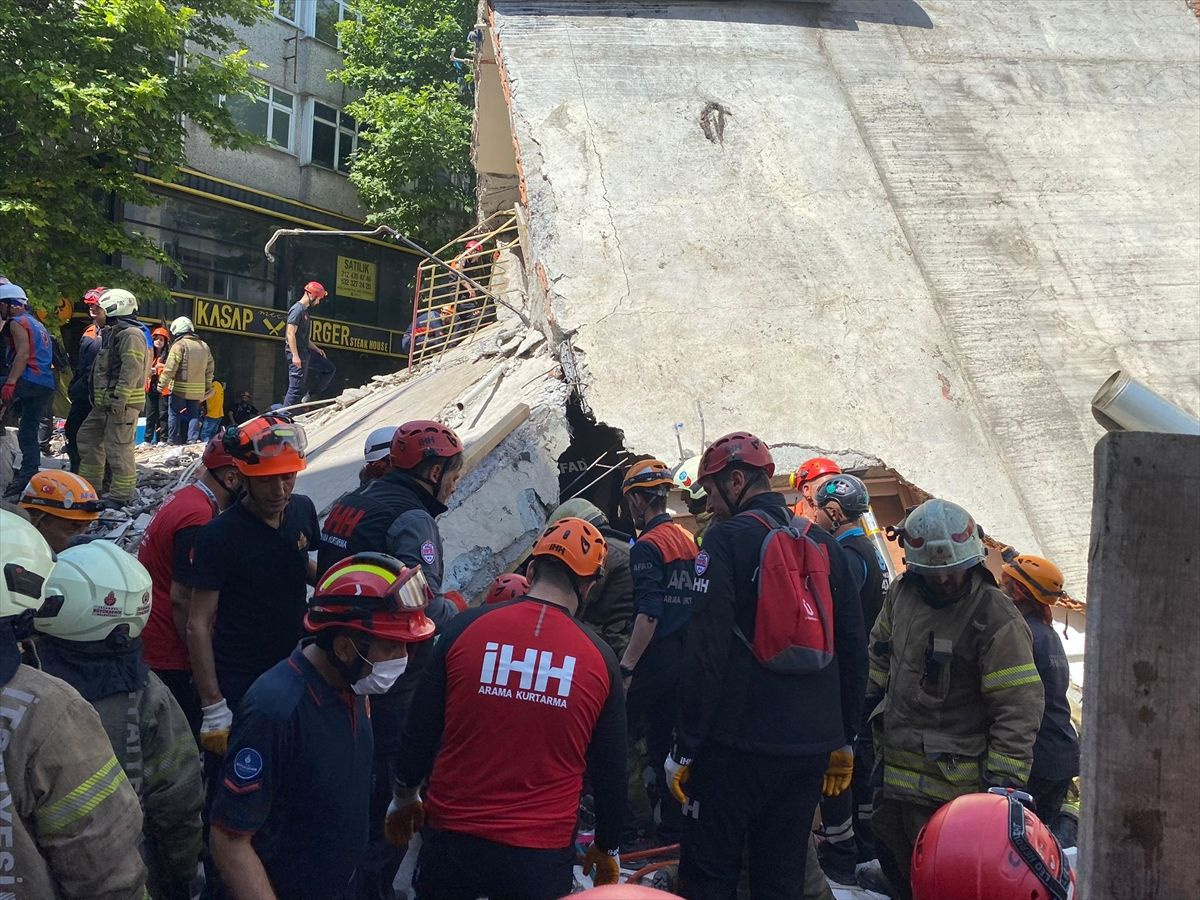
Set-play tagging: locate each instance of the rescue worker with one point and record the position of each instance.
(29, 359)
(72, 822)
(522, 681)
(376, 453)
(505, 588)
(243, 411)
(806, 479)
(157, 415)
(61, 506)
(166, 552)
(694, 496)
(396, 514)
(765, 744)
(663, 562)
(250, 573)
(1035, 586)
(610, 611)
(305, 359)
(839, 505)
(97, 603)
(290, 815)
(955, 692)
(79, 392)
(187, 376)
(118, 395)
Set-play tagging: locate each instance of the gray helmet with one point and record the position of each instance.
(579, 508)
(849, 492)
(939, 536)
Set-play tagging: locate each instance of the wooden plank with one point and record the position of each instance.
(490, 439)
(1139, 823)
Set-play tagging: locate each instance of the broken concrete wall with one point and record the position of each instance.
(927, 231)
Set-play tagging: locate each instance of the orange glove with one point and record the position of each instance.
(840, 772)
(405, 816)
(605, 863)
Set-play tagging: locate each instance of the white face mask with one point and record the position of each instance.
(381, 677)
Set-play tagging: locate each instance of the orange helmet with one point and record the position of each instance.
(575, 543)
(816, 467)
(271, 444)
(1042, 578)
(161, 332)
(373, 593)
(505, 588)
(62, 494)
(649, 473)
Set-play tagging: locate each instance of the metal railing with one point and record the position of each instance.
(448, 310)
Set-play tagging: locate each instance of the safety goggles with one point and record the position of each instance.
(274, 439)
(1060, 888)
(412, 594)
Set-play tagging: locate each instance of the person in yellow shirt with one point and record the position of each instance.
(213, 411)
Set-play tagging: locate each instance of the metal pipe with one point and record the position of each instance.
(1125, 404)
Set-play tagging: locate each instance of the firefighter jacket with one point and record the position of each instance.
(188, 373)
(121, 367)
(72, 818)
(962, 700)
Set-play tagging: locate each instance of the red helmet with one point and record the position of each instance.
(816, 467)
(415, 442)
(506, 587)
(373, 593)
(215, 455)
(739, 447)
(989, 847)
(473, 247)
(92, 297)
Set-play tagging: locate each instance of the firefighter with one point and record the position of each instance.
(79, 392)
(118, 395)
(61, 506)
(956, 695)
(156, 404)
(1035, 586)
(72, 820)
(528, 683)
(806, 479)
(662, 562)
(97, 603)
(187, 376)
(29, 379)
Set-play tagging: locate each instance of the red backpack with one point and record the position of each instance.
(793, 624)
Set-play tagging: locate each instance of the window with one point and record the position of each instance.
(334, 137)
(286, 10)
(329, 13)
(268, 115)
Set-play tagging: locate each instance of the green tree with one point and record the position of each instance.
(414, 170)
(92, 94)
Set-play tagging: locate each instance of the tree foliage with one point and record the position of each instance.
(414, 170)
(87, 89)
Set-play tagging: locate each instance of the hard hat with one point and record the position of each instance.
(118, 302)
(505, 588)
(1042, 578)
(848, 491)
(216, 455)
(939, 537)
(575, 543)
(92, 297)
(270, 444)
(161, 332)
(738, 448)
(648, 473)
(473, 247)
(373, 593)
(687, 478)
(95, 588)
(13, 294)
(415, 442)
(989, 847)
(62, 494)
(26, 565)
(579, 508)
(378, 444)
(315, 289)
(182, 325)
(813, 468)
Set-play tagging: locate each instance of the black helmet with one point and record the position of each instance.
(850, 493)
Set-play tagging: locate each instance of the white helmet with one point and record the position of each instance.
(182, 325)
(95, 588)
(378, 444)
(940, 537)
(118, 302)
(27, 564)
(685, 478)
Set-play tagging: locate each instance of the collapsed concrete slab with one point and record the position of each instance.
(927, 230)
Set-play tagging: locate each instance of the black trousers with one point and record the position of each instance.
(1048, 797)
(748, 803)
(377, 869)
(81, 404)
(650, 707)
(183, 689)
(462, 867)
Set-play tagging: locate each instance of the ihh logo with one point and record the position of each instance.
(535, 668)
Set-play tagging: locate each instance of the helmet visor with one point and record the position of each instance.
(278, 440)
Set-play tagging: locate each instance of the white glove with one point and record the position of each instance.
(214, 729)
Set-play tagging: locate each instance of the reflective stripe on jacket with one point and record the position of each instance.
(188, 372)
(121, 367)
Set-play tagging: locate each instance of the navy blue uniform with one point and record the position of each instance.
(1056, 750)
(298, 778)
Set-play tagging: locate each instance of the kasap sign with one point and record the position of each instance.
(256, 321)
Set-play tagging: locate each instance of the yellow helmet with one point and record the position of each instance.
(648, 473)
(1042, 578)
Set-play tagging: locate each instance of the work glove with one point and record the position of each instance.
(677, 769)
(405, 816)
(840, 772)
(6, 393)
(214, 729)
(605, 863)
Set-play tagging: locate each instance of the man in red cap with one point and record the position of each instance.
(305, 358)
